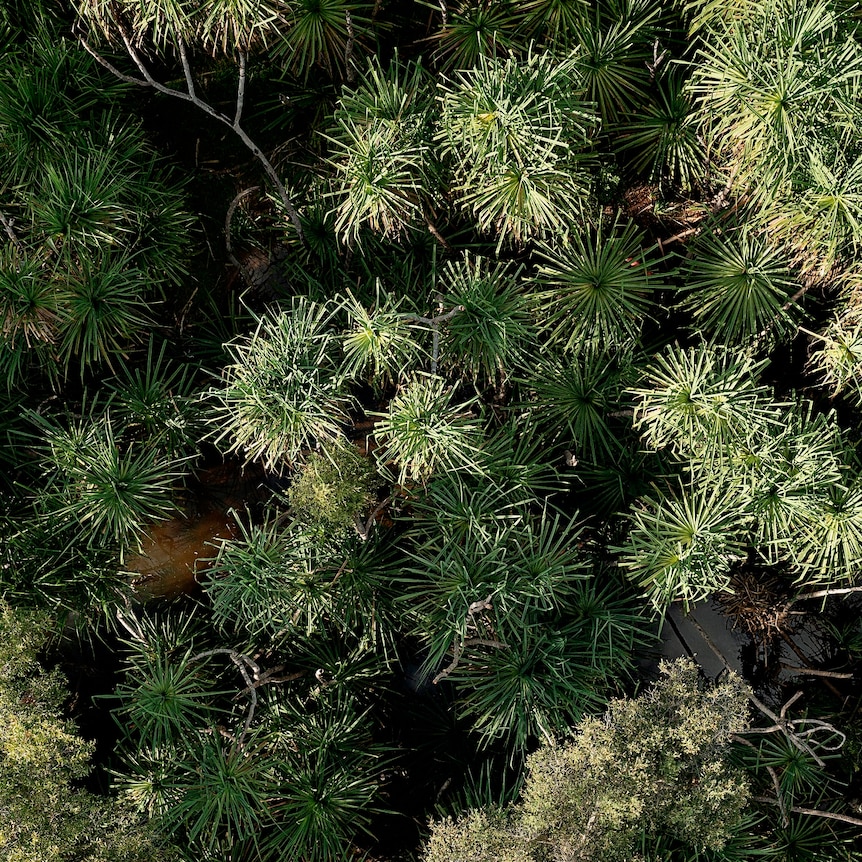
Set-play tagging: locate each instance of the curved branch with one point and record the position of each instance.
(243, 663)
(227, 223)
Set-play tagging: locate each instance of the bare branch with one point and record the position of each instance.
(240, 91)
(779, 796)
(811, 671)
(8, 227)
(814, 812)
(111, 68)
(824, 594)
(432, 228)
(243, 663)
(348, 47)
(187, 69)
(192, 97)
(186, 97)
(364, 530)
(458, 643)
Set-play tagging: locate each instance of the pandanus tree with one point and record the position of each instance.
(381, 152)
(94, 223)
(517, 134)
(777, 93)
(283, 393)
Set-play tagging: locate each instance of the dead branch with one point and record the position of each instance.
(814, 812)
(792, 730)
(444, 12)
(434, 324)
(364, 529)
(348, 47)
(191, 96)
(812, 671)
(243, 664)
(8, 226)
(824, 594)
(779, 796)
(458, 645)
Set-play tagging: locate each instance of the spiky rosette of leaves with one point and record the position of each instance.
(697, 399)
(775, 83)
(221, 25)
(681, 546)
(111, 488)
(283, 393)
(736, 284)
(384, 166)
(829, 549)
(597, 287)
(574, 397)
(662, 139)
(379, 343)
(780, 474)
(544, 673)
(819, 217)
(493, 332)
(328, 780)
(838, 361)
(271, 580)
(321, 33)
(614, 52)
(517, 133)
(426, 431)
(477, 29)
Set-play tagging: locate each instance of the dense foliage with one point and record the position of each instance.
(385, 382)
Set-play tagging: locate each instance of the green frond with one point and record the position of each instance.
(426, 431)
(282, 394)
(736, 285)
(597, 287)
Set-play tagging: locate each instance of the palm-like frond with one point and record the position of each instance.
(223, 25)
(698, 399)
(477, 29)
(781, 472)
(820, 219)
(380, 151)
(662, 138)
(425, 431)
(493, 333)
(327, 782)
(159, 401)
(165, 699)
(598, 287)
(735, 284)
(681, 547)
(517, 132)
(282, 394)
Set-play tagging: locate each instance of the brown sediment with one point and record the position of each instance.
(175, 552)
